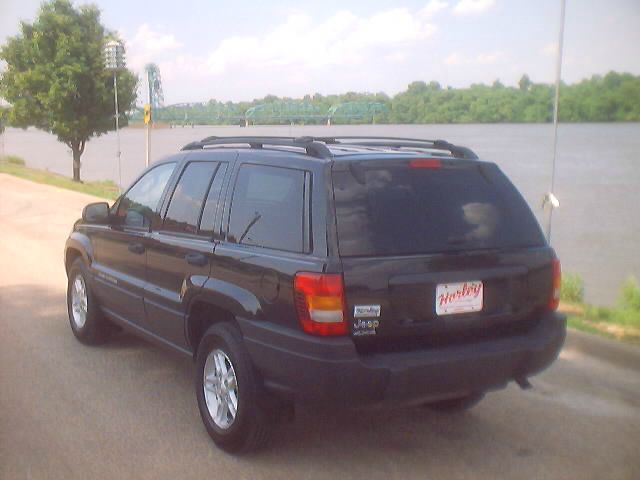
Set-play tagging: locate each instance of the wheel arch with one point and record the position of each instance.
(218, 301)
(202, 314)
(77, 246)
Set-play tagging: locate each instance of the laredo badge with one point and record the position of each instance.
(366, 311)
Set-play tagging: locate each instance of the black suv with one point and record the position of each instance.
(344, 271)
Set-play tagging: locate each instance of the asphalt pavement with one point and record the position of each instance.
(127, 409)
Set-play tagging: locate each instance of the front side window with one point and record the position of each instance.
(267, 209)
(137, 206)
(185, 207)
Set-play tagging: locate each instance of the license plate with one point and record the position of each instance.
(460, 297)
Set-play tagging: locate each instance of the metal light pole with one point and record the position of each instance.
(550, 198)
(114, 61)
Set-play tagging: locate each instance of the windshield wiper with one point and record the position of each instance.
(251, 224)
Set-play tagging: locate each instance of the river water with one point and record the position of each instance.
(596, 230)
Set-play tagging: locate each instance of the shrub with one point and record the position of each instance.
(572, 288)
(628, 309)
(13, 160)
(630, 295)
(598, 312)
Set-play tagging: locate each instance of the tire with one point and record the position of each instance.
(87, 323)
(221, 349)
(456, 405)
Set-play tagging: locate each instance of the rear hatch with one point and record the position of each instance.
(435, 252)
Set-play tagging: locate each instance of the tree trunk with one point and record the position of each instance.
(76, 162)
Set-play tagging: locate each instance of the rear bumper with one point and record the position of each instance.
(329, 370)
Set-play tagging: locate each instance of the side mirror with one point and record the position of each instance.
(96, 213)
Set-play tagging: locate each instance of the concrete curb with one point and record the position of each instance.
(612, 351)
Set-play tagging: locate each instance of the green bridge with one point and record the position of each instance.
(265, 113)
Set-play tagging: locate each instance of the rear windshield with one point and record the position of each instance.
(392, 208)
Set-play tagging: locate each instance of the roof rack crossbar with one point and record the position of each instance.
(311, 146)
(317, 146)
(399, 142)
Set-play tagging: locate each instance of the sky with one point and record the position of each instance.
(241, 50)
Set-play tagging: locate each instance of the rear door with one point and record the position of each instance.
(181, 246)
(436, 250)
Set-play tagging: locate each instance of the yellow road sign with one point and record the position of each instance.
(147, 114)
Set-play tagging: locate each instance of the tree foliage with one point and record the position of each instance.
(55, 78)
(614, 97)
(609, 98)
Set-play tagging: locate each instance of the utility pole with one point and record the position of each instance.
(118, 152)
(147, 134)
(148, 121)
(550, 197)
(114, 61)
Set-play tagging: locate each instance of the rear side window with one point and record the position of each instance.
(186, 205)
(267, 209)
(394, 209)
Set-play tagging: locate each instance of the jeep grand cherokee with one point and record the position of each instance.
(345, 271)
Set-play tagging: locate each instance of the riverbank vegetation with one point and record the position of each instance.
(621, 321)
(614, 97)
(13, 165)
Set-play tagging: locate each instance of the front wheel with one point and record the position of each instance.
(228, 392)
(87, 323)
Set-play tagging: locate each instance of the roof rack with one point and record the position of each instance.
(398, 142)
(317, 146)
(312, 147)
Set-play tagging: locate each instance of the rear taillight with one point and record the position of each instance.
(319, 301)
(556, 277)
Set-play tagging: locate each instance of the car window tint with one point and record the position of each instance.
(267, 208)
(138, 205)
(398, 210)
(187, 200)
(213, 202)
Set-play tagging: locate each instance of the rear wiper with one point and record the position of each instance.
(251, 224)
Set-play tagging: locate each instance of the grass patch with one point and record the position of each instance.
(13, 160)
(15, 166)
(572, 288)
(621, 321)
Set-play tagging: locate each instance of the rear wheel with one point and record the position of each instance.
(230, 398)
(459, 404)
(87, 323)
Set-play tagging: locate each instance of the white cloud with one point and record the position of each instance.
(340, 40)
(454, 59)
(433, 7)
(149, 45)
(489, 58)
(396, 57)
(550, 49)
(150, 40)
(466, 7)
(485, 58)
(289, 55)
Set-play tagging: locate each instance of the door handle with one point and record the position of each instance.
(197, 259)
(136, 248)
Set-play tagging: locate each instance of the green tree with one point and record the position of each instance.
(524, 83)
(55, 78)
